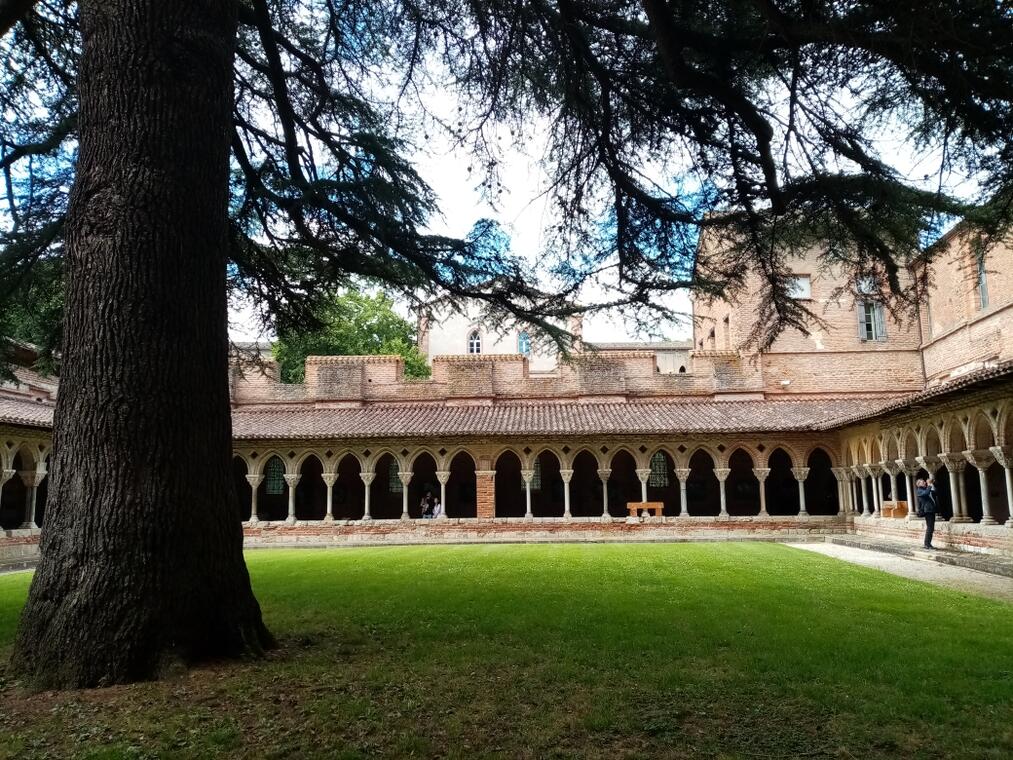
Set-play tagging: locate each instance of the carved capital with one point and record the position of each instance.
(566, 475)
(761, 473)
(874, 470)
(604, 473)
(527, 476)
(367, 477)
(980, 458)
(722, 473)
(485, 474)
(292, 479)
(841, 473)
(254, 481)
(643, 473)
(6, 475)
(929, 463)
(953, 462)
(800, 473)
(442, 476)
(330, 478)
(682, 473)
(1003, 455)
(859, 472)
(405, 477)
(890, 468)
(907, 466)
(32, 478)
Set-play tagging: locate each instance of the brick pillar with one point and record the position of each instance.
(485, 494)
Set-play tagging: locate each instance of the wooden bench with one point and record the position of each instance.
(635, 508)
(895, 509)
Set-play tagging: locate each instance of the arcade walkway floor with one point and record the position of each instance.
(605, 650)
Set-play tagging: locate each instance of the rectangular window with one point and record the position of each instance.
(982, 282)
(536, 479)
(659, 471)
(871, 321)
(800, 287)
(274, 477)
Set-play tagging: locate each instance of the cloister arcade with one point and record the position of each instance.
(966, 450)
(549, 480)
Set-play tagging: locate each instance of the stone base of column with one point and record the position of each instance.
(529, 517)
(911, 516)
(28, 526)
(1009, 523)
(290, 521)
(961, 519)
(365, 518)
(328, 518)
(606, 518)
(988, 521)
(404, 516)
(803, 514)
(252, 521)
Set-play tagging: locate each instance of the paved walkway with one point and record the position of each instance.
(959, 578)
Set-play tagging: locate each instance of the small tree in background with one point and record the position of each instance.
(352, 324)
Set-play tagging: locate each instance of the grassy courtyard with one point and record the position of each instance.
(729, 650)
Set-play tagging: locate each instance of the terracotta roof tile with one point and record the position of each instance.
(16, 411)
(415, 421)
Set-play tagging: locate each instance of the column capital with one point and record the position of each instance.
(800, 473)
(604, 473)
(859, 471)
(953, 462)
(292, 479)
(491, 474)
(367, 477)
(254, 481)
(682, 473)
(907, 466)
(6, 475)
(1003, 455)
(32, 478)
(722, 473)
(930, 463)
(330, 478)
(527, 476)
(566, 475)
(405, 477)
(761, 473)
(442, 476)
(980, 458)
(874, 470)
(889, 467)
(841, 473)
(643, 473)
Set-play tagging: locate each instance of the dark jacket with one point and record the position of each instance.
(926, 500)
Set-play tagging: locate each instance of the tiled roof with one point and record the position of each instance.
(16, 411)
(996, 372)
(670, 417)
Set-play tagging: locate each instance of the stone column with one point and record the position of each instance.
(909, 468)
(330, 478)
(405, 478)
(566, 475)
(761, 474)
(875, 471)
(367, 479)
(891, 469)
(527, 476)
(254, 481)
(982, 459)
(962, 482)
(954, 466)
(643, 474)
(722, 473)
(485, 494)
(31, 479)
(292, 481)
(861, 497)
(841, 474)
(1004, 456)
(443, 477)
(801, 473)
(604, 474)
(682, 473)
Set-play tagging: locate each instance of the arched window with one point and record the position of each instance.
(524, 343)
(474, 342)
(536, 479)
(394, 484)
(682, 369)
(274, 476)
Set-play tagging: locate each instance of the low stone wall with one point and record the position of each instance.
(965, 537)
(541, 530)
(18, 547)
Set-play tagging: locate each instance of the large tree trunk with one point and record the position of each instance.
(142, 553)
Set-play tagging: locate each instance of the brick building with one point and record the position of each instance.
(822, 433)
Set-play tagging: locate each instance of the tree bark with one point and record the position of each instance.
(142, 554)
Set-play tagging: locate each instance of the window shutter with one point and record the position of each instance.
(878, 313)
(861, 320)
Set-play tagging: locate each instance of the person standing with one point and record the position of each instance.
(926, 491)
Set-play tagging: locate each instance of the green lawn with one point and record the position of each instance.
(728, 650)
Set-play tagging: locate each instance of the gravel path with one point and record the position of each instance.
(959, 578)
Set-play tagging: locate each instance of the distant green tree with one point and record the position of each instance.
(353, 324)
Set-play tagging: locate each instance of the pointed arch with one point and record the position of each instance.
(781, 486)
(310, 491)
(742, 489)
